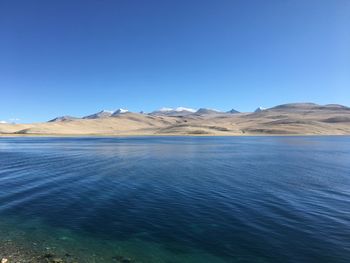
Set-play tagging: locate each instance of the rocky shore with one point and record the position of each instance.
(14, 253)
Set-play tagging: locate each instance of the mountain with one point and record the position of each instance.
(293, 107)
(259, 109)
(205, 111)
(63, 118)
(336, 106)
(100, 114)
(233, 111)
(119, 111)
(304, 108)
(179, 111)
(285, 119)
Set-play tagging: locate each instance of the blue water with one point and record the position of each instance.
(179, 199)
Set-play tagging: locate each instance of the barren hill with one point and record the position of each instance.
(296, 118)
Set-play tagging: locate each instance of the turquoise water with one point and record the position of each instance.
(178, 199)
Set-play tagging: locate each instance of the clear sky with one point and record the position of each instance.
(71, 57)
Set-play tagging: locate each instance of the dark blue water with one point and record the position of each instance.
(179, 199)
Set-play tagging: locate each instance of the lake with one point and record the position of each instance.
(177, 199)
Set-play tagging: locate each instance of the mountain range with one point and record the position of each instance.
(292, 118)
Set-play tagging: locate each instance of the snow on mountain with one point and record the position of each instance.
(164, 109)
(259, 109)
(63, 118)
(119, 111)
(100, 114)
(3, 122)
(182, 111)
(179, 111)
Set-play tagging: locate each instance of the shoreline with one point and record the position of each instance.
(11, 252)
(10, 135)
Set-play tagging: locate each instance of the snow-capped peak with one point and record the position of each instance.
(100, 114)
(184, 109)
(119, 111)
(260, 109)
(178, 109)
(106, 111)
(3, 122)
(164, 109)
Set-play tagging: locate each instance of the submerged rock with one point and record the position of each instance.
(122, 259)
(57, 260)
(48, 255)
(51, 258)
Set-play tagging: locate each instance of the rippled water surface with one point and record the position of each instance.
(179, 199)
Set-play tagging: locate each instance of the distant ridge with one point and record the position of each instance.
(308, 106)
(179, 111)
(205, 111)
(63, 118)
(119, 111)
(285, 119)
(259, 109)
(301, 105)
(105, 114)
(100, 114)
(233, 111)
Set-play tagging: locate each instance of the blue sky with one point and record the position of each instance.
(73, 57)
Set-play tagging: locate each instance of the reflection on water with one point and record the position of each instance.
(178, 199)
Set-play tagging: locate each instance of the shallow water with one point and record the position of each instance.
(178, 199)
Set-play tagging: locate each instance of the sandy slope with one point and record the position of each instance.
(283, 119)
